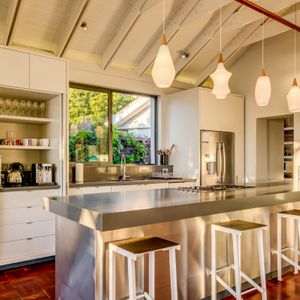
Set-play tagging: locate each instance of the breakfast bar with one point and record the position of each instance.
(85, 224)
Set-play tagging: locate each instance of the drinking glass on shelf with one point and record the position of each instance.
(2, 106)
(7, 105)
(42, 108)
(28, 107)
(35, 108)
(22, 108)
(15, 107)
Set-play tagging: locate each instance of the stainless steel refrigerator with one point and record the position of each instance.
(217, 157)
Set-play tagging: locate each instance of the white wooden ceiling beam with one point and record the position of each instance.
(125, 28)
(232, 46)
(11, 21)
(71, 25)
(73, 22)
(171, 30)
(205, 35)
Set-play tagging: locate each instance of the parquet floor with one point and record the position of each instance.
(36, 282)
(28, 283)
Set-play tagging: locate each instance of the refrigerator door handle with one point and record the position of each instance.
(219, 161)
(223, 162)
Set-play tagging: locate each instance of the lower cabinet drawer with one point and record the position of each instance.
(25, 198)
(181, 184)
(22, 215)
(28, 230)
(16, 251)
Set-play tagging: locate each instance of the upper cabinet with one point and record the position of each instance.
(10, 61)
(48, 74)
(21, 69)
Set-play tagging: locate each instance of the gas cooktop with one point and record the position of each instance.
(212, 188)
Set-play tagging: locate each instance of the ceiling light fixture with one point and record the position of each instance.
(293, 96)
(163, 71)
(263, 83)
(84, 25)
(221, 76)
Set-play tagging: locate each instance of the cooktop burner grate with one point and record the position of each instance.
(212, 188)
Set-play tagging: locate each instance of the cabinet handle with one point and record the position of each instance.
(28, 222)
(29, 206)
(29, 239)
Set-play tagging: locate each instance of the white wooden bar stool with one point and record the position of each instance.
(236, 228)
(132, 249)
(293, 215)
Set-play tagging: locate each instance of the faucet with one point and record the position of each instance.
(123, 167)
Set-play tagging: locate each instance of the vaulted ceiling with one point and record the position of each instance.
(123, 35)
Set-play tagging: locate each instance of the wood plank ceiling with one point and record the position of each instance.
(123, 35)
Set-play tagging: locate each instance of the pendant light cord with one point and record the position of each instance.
(295, 41)
(220, 25)
(263, 45)
(163, 15)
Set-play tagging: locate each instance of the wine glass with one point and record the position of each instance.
(35, 108)
(42, 108)
(28, 107)
(22, 107)
(7, 105)
(1, 106)
(15, 107)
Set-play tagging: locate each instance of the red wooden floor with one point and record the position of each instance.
(37, 282)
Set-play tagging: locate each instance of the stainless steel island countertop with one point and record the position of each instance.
(110, 211)
(85, 224)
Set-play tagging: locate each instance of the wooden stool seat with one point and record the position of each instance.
(292, 212)
(145, 245)
(239, 225)
(134, 248)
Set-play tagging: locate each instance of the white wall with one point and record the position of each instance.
(279, 66)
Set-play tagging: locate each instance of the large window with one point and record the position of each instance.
(105, 124)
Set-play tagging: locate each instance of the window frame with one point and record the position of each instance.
(110, 113)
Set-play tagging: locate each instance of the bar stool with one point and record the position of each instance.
(236, 228)
(288, 215)
(134, 248)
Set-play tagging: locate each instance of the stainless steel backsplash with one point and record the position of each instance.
(98, 172)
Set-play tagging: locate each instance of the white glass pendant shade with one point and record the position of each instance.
(221, 80)
(263, 89)
(163, 72)
(293, 98)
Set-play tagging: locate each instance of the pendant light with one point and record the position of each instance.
(163, 72)
(221, 76)
(263, 83)
(293, 97)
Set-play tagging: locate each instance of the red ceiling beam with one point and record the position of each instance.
(269, 14)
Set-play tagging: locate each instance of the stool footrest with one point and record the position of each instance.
(226, 286)
(288, 260)
(252, 282)
(248, 291)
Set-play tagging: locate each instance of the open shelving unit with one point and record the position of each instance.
(24, 120)
(288, 147)
(21, 147)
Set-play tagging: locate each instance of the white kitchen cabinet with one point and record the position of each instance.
(25, 198)
(48, 74)
(14, 66)
(26, 249)
(176, 185)
(25, 223)
(137, 187)
(28, 230)
(95, 189)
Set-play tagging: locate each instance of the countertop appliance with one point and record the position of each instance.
(217, 157)
(14, 176)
